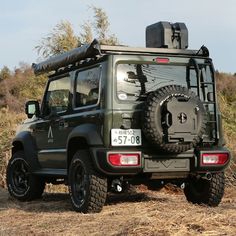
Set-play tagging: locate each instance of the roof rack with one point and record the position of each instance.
(94, 50)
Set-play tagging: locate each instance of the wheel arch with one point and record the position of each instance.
(17, 146)
(82, 137)
(75, 144)
(25, 142)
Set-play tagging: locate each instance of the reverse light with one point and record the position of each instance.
(124, 159)
(214, 158)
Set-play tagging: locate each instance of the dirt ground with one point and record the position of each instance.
(141, 212)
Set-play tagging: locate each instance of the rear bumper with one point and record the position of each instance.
(158, 163)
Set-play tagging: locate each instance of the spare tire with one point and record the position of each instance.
(174, 119)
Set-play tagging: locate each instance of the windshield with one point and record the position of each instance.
(134, 81)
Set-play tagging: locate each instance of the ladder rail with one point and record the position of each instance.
(201, 86)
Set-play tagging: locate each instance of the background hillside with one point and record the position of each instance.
(20, 85)
(16, 87)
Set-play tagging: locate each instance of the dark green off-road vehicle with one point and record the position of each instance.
(113, 115)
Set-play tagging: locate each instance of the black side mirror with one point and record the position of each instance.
(32, 108)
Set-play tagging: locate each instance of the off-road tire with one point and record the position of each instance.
(203, 191)
(152, 124)
(21, 183)
(88, 190)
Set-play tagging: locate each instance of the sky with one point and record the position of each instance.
(210, 22)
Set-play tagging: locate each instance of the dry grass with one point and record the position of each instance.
(8, 126)
(142, 212)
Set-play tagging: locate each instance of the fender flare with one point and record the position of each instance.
(89, 132)
(28, 143)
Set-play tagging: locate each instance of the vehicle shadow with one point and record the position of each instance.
(131, 197)
(49, 202)
(60, 202)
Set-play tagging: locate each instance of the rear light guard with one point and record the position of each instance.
(214, 159)
(124, 159)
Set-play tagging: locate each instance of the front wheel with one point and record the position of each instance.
(88, 190)
(21, 183)
(203, 191)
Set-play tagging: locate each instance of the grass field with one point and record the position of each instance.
(141, 212)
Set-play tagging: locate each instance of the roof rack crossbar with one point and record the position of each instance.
(105, 49)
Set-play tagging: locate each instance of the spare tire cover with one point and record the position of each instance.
(174, 119)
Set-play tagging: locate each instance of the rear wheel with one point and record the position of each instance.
(21, 183)
(88, 190)
(203, 191)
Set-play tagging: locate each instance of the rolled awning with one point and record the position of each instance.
(68, 58)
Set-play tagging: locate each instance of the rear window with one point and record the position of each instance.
(135, 80)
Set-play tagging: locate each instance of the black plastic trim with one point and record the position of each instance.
(30, 148)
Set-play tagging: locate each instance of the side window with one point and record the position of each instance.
(87, 87)
(57, 96)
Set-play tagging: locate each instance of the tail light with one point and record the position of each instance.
(124, 159)
(214, 158)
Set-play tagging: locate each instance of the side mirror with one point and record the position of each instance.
(32, 108)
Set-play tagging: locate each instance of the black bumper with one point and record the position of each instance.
(155, 162)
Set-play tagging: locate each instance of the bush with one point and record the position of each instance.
(8, 124)
(20, 87)
(226, 87)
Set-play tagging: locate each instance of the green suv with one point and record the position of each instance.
(114, 115)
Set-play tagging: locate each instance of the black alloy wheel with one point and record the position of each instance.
(21, 183)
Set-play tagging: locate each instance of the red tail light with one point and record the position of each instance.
(124, 159)
(214, 158)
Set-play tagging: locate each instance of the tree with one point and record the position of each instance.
(101, 26)
(5, 73)
(62, 38)
(86, 36)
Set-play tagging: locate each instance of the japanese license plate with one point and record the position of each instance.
(126, 137)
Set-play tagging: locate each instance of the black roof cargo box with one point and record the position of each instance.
(167, 35)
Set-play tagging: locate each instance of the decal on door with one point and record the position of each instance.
(50, 135)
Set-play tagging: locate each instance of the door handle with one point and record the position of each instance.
(62, 124)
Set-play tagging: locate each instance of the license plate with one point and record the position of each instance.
(126, 137)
